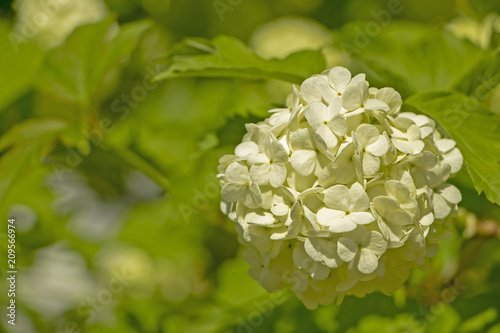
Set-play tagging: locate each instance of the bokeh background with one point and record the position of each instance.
(111, 177)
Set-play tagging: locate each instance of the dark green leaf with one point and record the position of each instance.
(482, 79)
(410, 57)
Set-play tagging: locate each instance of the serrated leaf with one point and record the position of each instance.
(476, 131)
(228, 57)
(75, 70)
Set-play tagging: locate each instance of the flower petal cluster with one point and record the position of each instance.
(340, 193)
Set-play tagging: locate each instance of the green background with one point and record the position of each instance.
(111, 176)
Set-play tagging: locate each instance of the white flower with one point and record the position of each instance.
(444, 199)
(451, 154)
(356, 100)
(346, 208)
(50, 24)
(344, 169)
(240, 186)
(269, 167)
(371, 145)
(328, 86)
(327, 121)
(406, 136)
(340, 193)
(310, 153)
(361, 249)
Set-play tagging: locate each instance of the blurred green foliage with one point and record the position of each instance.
(110, 139)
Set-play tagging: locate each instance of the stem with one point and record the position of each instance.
(140, 164)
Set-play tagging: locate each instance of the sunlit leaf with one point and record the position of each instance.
(228, 57)
(20, 61)
(75, 70)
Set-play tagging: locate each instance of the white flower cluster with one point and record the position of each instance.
(340, 193)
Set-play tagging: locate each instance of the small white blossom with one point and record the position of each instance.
(361, 249)
(346, 208)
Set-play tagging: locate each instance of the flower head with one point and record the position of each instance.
(340, 193)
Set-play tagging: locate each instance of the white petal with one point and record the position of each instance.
(346, 174)
(371, 164)
(237, 173)
(345, 224)
(359, 199)
(231, 192)
(391, 97)
(450, 193)
(361, 217)
(375, 105)
(255, 193)
(310, 89)
(338, 125)
(278, 152)
(375, 242)
(413, 133)
(339, 78)
(334, 108)
(455, 159)
(260, 173)
(322, 250)
(260, 217)
(403, 146)
(379, 147)
(440, 206)
(319, 271)
(328, 137)
(346, 249)
(445, 145)
(367, 134)
(417, 146)
(397, 190)
(257, 158)
(338, 197)
(354, 96)
(246, 148)
(302, 139)
(328, 217)
(368, 261)
(316, 114)
(278, 174)
(358, 78)
(280, 209)
(303, 161)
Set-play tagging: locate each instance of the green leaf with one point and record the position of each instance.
(442, 318)
(228, 57)
(236, 287)
(30, 131)
(479, 321)
(476, 131)
(20, 61)
(23, 148)
(482, 79)
(76, 70)
(410, 57)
